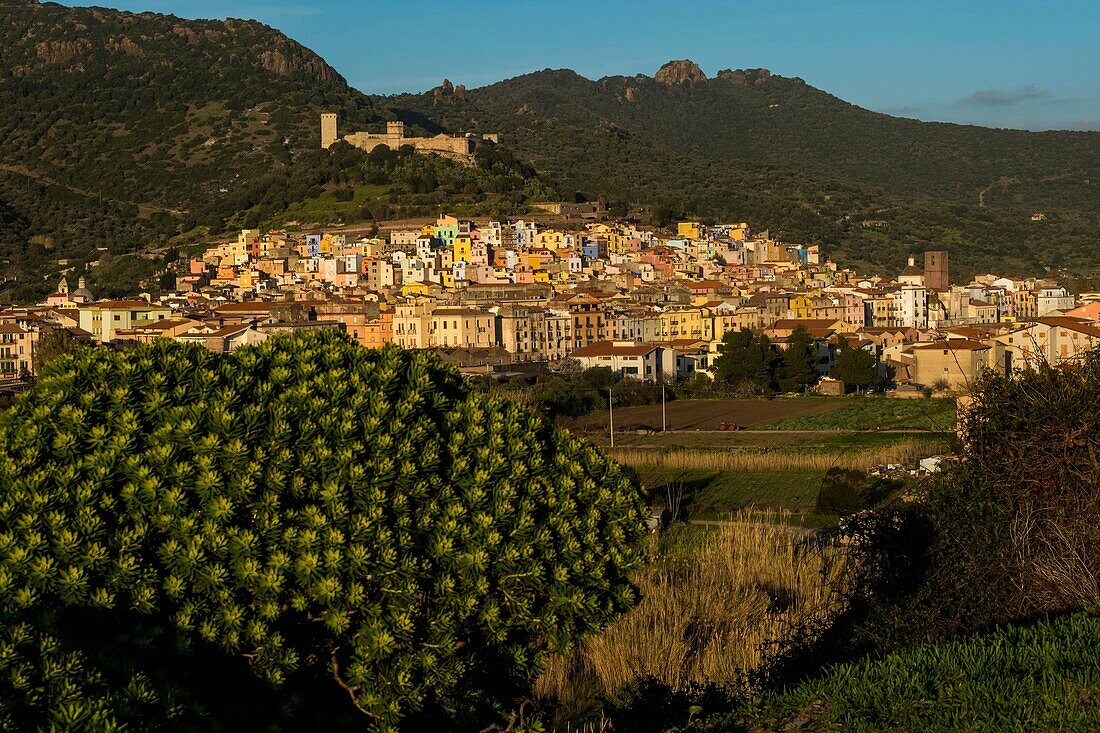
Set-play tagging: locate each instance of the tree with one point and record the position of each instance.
(301, 528)
(855, 367)
(53, 343)
(799, 367)
(746, 361)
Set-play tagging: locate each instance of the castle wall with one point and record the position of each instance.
(461, 149)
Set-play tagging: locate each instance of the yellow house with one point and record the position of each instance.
(410, 289)
(689, 230)
(801, 306)
(549, 239)
(742, 319)
(464, 248)
(103, 318)
(463, 327)
(541, 276)
(447, 279)
(693, 323)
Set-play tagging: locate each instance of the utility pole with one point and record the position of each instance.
(610, 419)
(663, 428)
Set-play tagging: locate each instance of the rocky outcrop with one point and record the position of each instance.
(447, 91)
(745, 77)
(680, 72)
(283, 64)
(59, 52)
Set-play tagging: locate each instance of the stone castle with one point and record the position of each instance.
(455, 147)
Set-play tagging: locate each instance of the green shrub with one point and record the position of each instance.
(842, 491)
(348, 524)
(1009, 534)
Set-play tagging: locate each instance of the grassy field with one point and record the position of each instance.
(711, 600)
(719, 473)
(854, 413)
(716, 494)
(878, 413)
(1044, 677)
(706, 414)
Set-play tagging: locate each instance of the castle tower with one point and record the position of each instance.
(935, 270)
(395, 131)
(328, 129)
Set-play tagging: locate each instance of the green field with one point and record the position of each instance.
(715, 494)
(1044, 677)
(720, 473)
(878, 413)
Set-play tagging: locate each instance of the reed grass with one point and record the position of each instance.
(905, 451)
(703, 618)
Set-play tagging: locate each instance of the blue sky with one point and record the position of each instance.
(1033, 65)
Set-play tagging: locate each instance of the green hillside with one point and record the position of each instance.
(1041, 677)
(781, 154)
(122, 129)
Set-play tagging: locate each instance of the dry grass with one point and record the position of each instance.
(702, 618)
(906, 451)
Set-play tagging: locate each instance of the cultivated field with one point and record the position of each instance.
(716, 473)
(706, 414)
(855, 413)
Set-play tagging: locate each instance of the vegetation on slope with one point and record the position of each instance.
(122, 129)
(780, 154)
(1040, 677)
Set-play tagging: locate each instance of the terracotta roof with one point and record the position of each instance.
(126, 304)
(974, 332)
(807, 323)
(608, 348)
(1073, 324)
(458, 311)
(162, 325)
(953, 345)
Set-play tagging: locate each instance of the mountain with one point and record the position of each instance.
(125, 131)
(121, 129)
(776, 152)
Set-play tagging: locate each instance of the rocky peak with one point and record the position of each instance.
(680, 72)
(447, 90)
(745, 77)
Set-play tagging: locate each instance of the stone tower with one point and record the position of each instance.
(328, 129)
(935, 270)
(395, 133)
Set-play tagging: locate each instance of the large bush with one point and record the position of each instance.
(301, 534)
(1011, 533)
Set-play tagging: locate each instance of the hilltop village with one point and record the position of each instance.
(514, 296)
